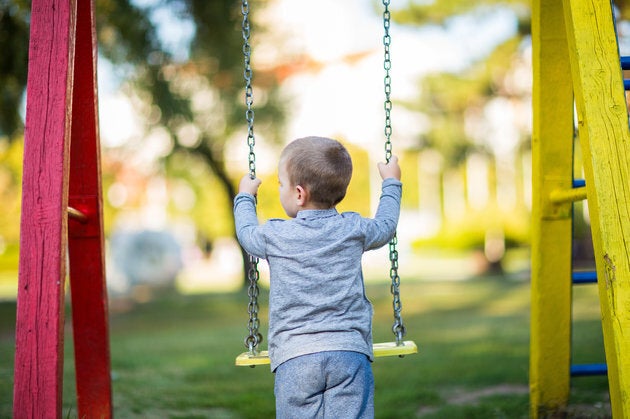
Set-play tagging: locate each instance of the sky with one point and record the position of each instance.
(343, 99)
(347, 98)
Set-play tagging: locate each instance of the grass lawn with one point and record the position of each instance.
(172, 357)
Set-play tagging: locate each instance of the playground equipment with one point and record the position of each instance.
(62, 220)
(575, 52)
(400, 347)
(61, 209)
(576, 56)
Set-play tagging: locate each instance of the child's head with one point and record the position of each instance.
(320, 165)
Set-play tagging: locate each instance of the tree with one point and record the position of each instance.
(457, 102)
(203, 94)
(14, 35)
(447, 96)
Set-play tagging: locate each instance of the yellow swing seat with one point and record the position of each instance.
(408, 347)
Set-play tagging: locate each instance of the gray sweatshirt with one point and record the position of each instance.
(317, 298)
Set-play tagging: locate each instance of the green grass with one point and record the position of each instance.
(173, 356)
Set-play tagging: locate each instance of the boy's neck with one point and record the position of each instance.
(314, 206)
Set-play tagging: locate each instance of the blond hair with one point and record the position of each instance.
(320, 165)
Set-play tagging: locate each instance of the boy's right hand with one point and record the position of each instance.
(390, 170)
(249, 185)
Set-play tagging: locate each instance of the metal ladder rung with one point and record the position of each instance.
(625, 65)
(583, 370)
(584, 277)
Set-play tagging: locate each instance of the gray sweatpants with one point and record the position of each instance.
(334, 384)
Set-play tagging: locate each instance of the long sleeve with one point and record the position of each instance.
(248, 231)
(382, 227)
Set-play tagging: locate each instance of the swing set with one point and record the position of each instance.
(254, 356)
(62, 220)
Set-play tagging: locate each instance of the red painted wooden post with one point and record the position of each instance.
(43, 236)
(85, 237)
(61, 169)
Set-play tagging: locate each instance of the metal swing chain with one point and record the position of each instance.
(254, 338)
(387, 64)
(398, 328)
(249, 92)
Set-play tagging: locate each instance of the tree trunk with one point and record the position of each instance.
(217, 165)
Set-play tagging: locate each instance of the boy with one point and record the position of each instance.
(320, 321)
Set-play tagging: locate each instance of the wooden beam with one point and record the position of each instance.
(85, 242)
(43, 226)
(605, 141)
(552, 145)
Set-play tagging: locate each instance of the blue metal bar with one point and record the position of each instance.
(578, 183)
(583, 370)
(584, 277)
(625, 65)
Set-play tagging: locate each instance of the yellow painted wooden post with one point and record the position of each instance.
(605, 141)
(552, 145)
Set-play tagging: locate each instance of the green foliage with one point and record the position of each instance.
(439, 12)
(125, 33)
(624, 8)
(166, 89)
(208, 206)
(447, 98)
(203, 94)
(170, 92)
(14, 35)
(470, 232)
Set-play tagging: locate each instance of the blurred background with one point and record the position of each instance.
(174, 139)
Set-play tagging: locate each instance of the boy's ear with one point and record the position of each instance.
(301, 195)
